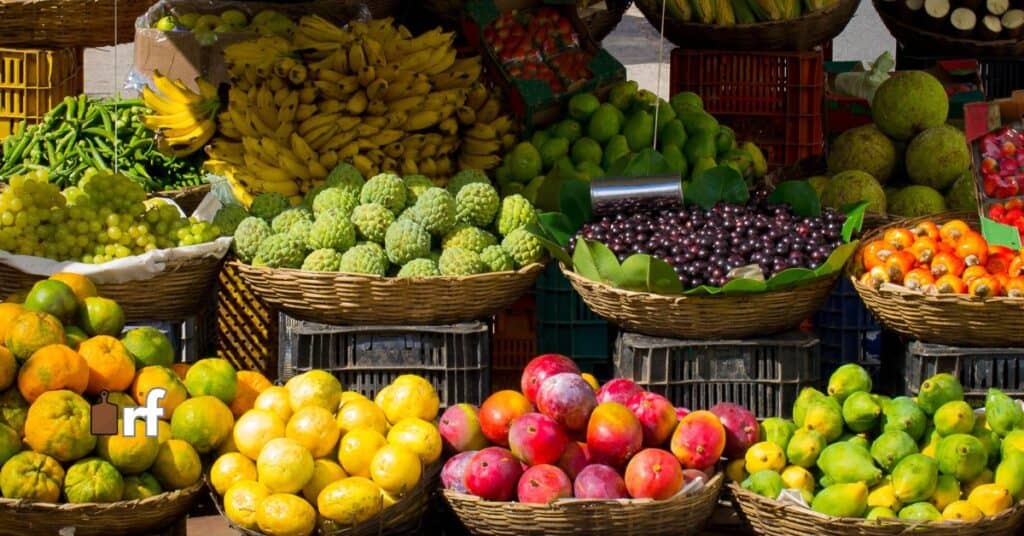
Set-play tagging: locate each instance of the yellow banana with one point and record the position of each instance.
(440, 64)
(422, 120)
(477, 96)
(466, 115)
(317, 142)
(395, 149)
(482, 131)
(291, 163)
(366, 75)
(377, 108)
(374, 52)
(395, 119)
(181, 119)
(266, 172)
(339, 140)
(305, 111)
(288, 108)
(480, 147)
(502, 125)
(356, 56)
(377, 89)
(329, 159)
(489, 112)
(301, 148)
(207, 90)
(376, 121)
(365, 130)
(385, 137)
(317, 171)
(452, 79)
(284, 131)
(173, 91)
(364, 165)
(275, 84)
(331, 106)
(428, 167)
(203, 130)
(508, 141)
(161, 105)
(298, 74)
(470, 161)
(348, 151)
(356, 105)
(406, 104)
(448, 126)
(409, 167)
(315, 122)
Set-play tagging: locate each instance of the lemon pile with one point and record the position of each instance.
(309, 447)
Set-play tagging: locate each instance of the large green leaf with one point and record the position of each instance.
(644, 273)
(837, 260)
(574, 201)
(703, 290)
(744, 286)
(583, 261)
(647, 163)
(718, 184)
(596, 262)
(552, 243)
(854, 219)
(799, 195)
(790, 276)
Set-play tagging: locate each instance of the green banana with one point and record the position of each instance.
(765, 10)
(743, 13)
(724, 15)
(704, 10)
(680, 10)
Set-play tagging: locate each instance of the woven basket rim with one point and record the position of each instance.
(187, 190)
(369, 278)
(891, 21)
(741, 494)
(85, 508)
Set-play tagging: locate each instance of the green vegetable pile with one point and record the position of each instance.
(79, 133)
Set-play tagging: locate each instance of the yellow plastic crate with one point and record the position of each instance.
(34, 80)
(247, 329)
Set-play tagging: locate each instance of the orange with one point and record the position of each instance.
(324, 473)
(250, 385)
(205, 422)
(231, 468)
(419, 436)
(356, 450)
(254, 429)
(8, 368)
(241, 500)
(31, 331)
(58, 425)
(181, 369)
(13, 410)
(150, 377)
(149, 346)
(74, 336)
(350, 501)
(317, 388)
(53, 297)
(395, 469)
(111, 368)
(93, 480)
(101, 316)
(284, 466)
(51, 368)
(81, 286)
(275, 399)
(408, 396)
(121, 400)
(361, 413)
(140, 487)
(10, 443)
(283, 514)
(17, 297)
(177, 466)
(7, 313)
(212, 376)
(130, 455)
(313, 427)
(32, 476)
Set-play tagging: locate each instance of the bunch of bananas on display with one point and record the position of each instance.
(183, 120)
(369, 93)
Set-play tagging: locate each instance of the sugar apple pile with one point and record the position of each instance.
(391, 226)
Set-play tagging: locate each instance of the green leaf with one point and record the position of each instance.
(583, 261)
(799, 195)
(574, 201)
(558, 227)
(744, 286)
(837, 260)
(644, 273)
(550, 242)
(647, 163)
(790, 276)
(718, 184)
(854, 219)
(663, 278)
(703, 290)
(596, 262)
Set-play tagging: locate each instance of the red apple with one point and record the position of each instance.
(599, 482)
(614, 435)
(453, 474)
(493, 474)
(537, 439)
(653, 474)
(543, 484)
(657, 416)
(541, 368)
(575, 457)
(498, 412)
(460, 428)
(568, 399)
(618, 390)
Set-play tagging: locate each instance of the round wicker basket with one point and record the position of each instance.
(803, 33)
(953, 319)
(141, 516)
(721, 316)
(340, 298)
(766, 516)
(933, 43)
(186, 198)
(682, 515)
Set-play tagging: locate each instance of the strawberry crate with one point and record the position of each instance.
(33, 81)
(773, 99)
(513, 343)
(764, 375)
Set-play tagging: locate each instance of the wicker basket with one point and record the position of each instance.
(766, 516)
(601, 18)
(186, 198)
(914, 38)
(141, 516)
(682, 515)
(798, 34)
(174, 294)
(338, 298)
(952, 319)
(721, 316)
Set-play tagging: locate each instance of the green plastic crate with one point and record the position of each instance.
(565, 325)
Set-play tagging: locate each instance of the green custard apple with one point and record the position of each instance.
(416, 185)
(281, 251)
(523, 247)
(406, 240)
(372, 221)
(365, 258)
(469, 238)
(250, 233)
(458, 262)
(497, 259)
(322, 260)
(419, 268)
(386, 189)
(332, 230)
(269, 205)
(515, 212)
(283, 222)
(228, 218)
(477, 204)
(435, 211)
(334, 199)
(346, 177)
(467, 176)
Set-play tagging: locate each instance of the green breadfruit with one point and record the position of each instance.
(435, 211)
(386, 189)
(419, 268)
(464, 177)
(415, 185)
(468, 237)
(961, 195)
(909, 102)
(477, 204)
(523, 247)
(281, 251)
(322, 260)
(334, 199)
(366, 258)
(346, 177)
(864, 149)
(914, 201)
(406, 240)
(283, 222)
(372, 221)
(269, 205)
(937, 157)
(851, 187)
(248, 236)
(516, 211)
(228, 218)
(458, 261)
(332, 230)
(497, 259)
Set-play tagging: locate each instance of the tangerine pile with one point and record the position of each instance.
(950, 258)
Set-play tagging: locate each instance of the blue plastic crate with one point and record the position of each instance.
(848, 332)
(565, 324)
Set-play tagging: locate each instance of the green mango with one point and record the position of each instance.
(962, 456)
(806, 396)
(861, 412)
(644, 100)
(993, 444)
(778, 431)
(825, 481)
(539, 137)
(937, 390)
(552, 150)
(621, 95)
(860, 441)
(947, 490)
(880, 512)
(1010, 474)
(698, 168)
(672, 133)
(666, 114)
(675, 160)
(569, 129)
(921, 511)
(954, 417)
(805, 447)
(582, 106)
(1002, 412)
(701, 122)
(1013, 441)
(842, 500)
(686, 101)
(725, 140)
(503, 175)
(639, 130)
(848, 379)
(699, 145)
(604, 124)
(586, 150)
(739, 160)
(767, 483)
(616, 149)
(590, 171)
(759, 163)
(902, 413)
(891, 447)
(915, 478)
(846, 462)
(826, 417)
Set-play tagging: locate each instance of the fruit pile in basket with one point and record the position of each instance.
(851, 453)
(390, 226)
(944, 259)
(564, 436)
(206, 26)
(64, 350)
(733, 12)
(309, 449)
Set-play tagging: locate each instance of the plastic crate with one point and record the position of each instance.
(773, 99)
(1000, 75)
(186, 337)
(455, 359)
(848, 332)
(565, 325)
(978, 369)
(247, 328)
(764, 375)
(513, 343)
(33, 81)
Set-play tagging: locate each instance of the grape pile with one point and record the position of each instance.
(705, 245)
(105, 217)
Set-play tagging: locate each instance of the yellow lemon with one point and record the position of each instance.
(409, 396)
(350, 500)
(276, 400)
(419, 436)
(254, 429)
(395, 469)
(765, 455)
(231, 468)
(387, 499)
(736, 470)
(356, 450)
(314, 388)
(796, 477)
(241, 500)
(324, 472)
(284, 514)
(361, 413)
(313, 427)
(228, 446)
(962, 511)
(284, 466)
(349, 396)
(990, 498)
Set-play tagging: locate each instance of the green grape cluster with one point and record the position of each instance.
(105, 217)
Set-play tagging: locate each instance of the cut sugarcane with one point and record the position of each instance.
(963, 21)
(990, 28)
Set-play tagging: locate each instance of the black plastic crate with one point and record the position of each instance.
(764, 375)
(978, 369)
(565, 325)
(190, 340)
(1000, 75)
(456, 359)
(848, 332)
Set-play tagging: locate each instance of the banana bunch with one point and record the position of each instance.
(183, 120)
(732, 12)
(369, 93)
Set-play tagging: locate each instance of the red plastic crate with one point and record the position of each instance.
(773, 99)
(514, 343)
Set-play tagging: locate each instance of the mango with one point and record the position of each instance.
(736, 470)
(902, 413)
(765, 483)
(778, 431)
(825, 416)
(621, 95)
(962, 511)
(702, 122)
(699, 144)
(861, 412)
(990, 498)
(765, 456)
(1002, 412)
(796, 477)
(845, 463)
(616, 149)
(803, 400)
(921, 511)
(1010, 474)
(604, 124)
(673, 133)
(666, 114)
(915, 478)
(961, 456)
(725, 140)
(698, 168)
(989, 439)
(639, 130)
(675, 160)
(860, 441)
(937, 390)
(880, 512)
(947, 491)
(848, 379)
(883, 495)
(686, 101)
(842, 500)
(954, 417)
(891, 447)
(928, 447)
(986, 477)
(1012, 441)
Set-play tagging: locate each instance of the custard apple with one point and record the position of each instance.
(248, 236)
(523, 247)
(269, 205)
(332, 230)
(435, 211)
(346, 177)
(283, 222)
(406, 215)
(301, 230)
(468, 237)
(322, 260)
(497, 259)
(464, 177)
(515, 212)
(415, 185)
(228, 218)
(307, 199)
(458, 261)
(406, 240)
(281, 251)
(386, 189)
(419, 268)
(372, 221)
(477, 204)
(364, 258)
(334, 198)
